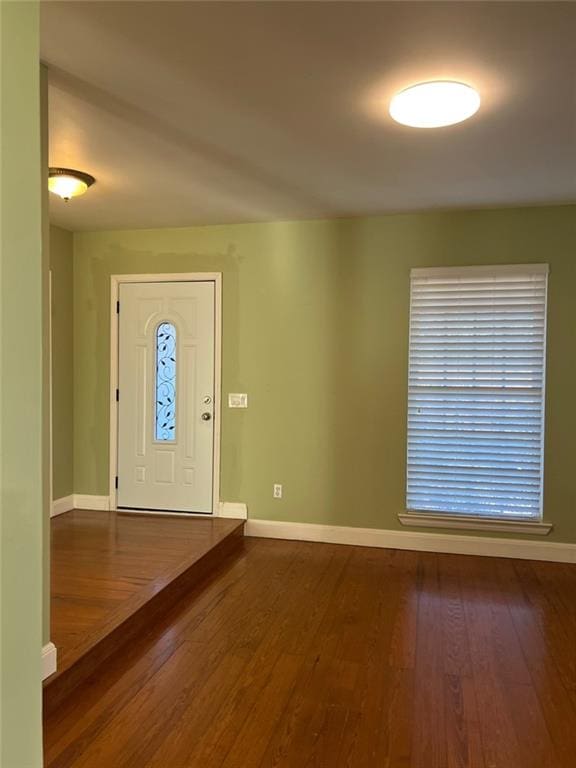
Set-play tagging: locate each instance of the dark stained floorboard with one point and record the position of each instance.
(106, 565)
(303, 655)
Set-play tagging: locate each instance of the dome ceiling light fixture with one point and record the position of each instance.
(434, 104)
(67, 183)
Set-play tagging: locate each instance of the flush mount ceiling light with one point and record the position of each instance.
(434, 104)
(67, 183)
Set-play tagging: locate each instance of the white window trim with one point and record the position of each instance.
(500, 269)
(472, 523)
(535, 526)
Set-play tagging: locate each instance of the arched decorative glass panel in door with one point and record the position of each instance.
(165, 424)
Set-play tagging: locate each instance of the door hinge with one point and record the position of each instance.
(117, 307)
(117, 395)
(116, 483)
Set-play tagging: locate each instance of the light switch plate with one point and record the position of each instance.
(237, 400)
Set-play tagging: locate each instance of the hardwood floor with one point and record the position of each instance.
(107, 566)
(299, 654)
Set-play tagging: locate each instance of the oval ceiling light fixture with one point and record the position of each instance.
(434, 104)
(67, 183)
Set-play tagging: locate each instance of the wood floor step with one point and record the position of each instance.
(147, 600)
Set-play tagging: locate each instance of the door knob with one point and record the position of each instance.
(206, 416)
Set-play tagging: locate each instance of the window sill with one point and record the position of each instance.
(470, 523)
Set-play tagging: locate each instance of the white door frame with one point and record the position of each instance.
(178, 277)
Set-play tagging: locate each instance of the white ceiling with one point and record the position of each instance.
(191, 113)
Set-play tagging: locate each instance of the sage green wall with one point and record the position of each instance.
(46, 382)
(61, 264)
(316, 332)
(21, 388)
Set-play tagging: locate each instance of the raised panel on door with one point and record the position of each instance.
(166, 396)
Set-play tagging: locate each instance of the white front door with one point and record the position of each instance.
(166, 396)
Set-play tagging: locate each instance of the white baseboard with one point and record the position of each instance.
(82, 501)
(233, 509)
(49, 660)
(64, 504)
(422, 542)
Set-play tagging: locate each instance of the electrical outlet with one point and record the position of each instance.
(277, 491)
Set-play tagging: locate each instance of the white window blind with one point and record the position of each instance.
(476, 391)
